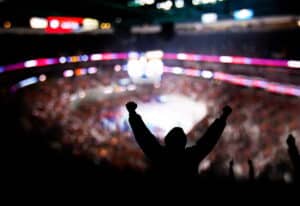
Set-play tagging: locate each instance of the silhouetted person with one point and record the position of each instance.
(294, 155)
(251, 172)
(174, 158)
(231, 171)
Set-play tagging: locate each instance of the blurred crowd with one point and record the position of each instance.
(256, 130)
(86, 128)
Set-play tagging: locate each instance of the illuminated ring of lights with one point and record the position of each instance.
(233, 79)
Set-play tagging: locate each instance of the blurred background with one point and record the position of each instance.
(67, 68)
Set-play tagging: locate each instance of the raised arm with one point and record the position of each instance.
(251, 172)
(231, 171)
(294, 155)
(210, 138)
(146, 140)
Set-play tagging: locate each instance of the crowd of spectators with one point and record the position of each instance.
(256, 130)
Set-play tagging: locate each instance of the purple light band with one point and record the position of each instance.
(41, 62)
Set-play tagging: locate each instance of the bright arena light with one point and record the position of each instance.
(28, 81)
(117, 68)
(92, 70)
(54, 24)
(208, 1)
(243, 14)
(105, 25)
(148, 2)
(42, 77)
(148, 68)
(62, 60)
(154, 54)
(209, 18)
(207, 74)
(155, 68)
(166, 5)
(30, 63)
(70, 25)
(177, 70)
(84, 58)
(226, 59)
(179, 3)
(68, 73)
(294, 64)
(7, 24)
(134, 68)
(80, 71)
(90, 24)
(196, 2)
(38, 23)
(96, 57)
(181, 56)
(133, 55)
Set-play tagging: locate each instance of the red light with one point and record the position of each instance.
(238, 60)
(108, 56)
(80, 71)
(58, 24)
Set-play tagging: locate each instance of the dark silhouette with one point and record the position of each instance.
(174, 158)
(294, 156)
(251, 173)
(231, 171)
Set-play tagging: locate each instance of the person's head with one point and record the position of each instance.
(290, 140)
(176, 139)
(131, 107)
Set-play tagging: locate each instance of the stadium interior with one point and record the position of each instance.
(67, 69)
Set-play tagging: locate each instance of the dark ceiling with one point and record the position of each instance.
(111, 10)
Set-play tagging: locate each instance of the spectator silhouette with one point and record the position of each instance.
(251, 172)
(174, 159)
(294, 155)
(231, 171)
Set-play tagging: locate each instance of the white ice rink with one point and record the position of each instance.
(173, 110)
